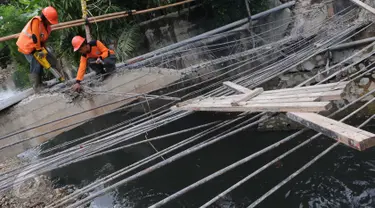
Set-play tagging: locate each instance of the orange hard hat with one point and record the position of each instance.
(77, 41)
(51, 15)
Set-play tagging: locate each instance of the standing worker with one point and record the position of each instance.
(100, 59)
(32, 42)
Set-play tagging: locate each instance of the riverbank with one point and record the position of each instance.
(34, 193)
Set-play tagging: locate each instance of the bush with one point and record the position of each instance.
(13, 19)
(21, 76)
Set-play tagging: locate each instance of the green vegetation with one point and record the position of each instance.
(13, 20)
(125, 36)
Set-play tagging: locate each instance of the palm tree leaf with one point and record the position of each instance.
(128, 42)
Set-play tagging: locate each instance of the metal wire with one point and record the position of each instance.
(75, 204)
(252, 156)
(304, 167)
(102, 141)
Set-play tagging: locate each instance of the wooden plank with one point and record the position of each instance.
(323, 96)
(331, 86)
(326, 96)
(236, 87)
(248, 96)
(302, 91)
(282, 100)
(348, 135)
(319, 118)
(363, 5)
(230, 102)
(197, 99)
(354, 129)
(270, 107)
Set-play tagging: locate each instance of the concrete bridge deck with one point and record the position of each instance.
(39, 109)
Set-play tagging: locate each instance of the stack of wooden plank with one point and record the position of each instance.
(302, 99)
(297, 102)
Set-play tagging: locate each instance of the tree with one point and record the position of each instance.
(13, 18)
(123, 34)
(107, 31)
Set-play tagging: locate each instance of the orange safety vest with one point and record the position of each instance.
(25, 42)
(97, 50)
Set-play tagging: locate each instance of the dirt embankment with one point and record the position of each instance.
(34, 193)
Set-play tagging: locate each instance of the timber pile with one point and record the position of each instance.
(299, 103)
(302, 99)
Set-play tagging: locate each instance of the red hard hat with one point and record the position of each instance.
(51, 15)
(77, 42)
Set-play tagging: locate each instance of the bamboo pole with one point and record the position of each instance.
(101, 18)
(84, 16)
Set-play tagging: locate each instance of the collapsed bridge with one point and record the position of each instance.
(247, 69)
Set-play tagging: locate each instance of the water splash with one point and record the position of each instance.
(4, 95)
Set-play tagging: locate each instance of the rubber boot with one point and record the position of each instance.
(36, 82)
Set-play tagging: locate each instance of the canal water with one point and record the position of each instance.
(343, 178)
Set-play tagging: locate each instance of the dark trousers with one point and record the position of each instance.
(108, 66)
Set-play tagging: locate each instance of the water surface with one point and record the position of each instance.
(343, 178)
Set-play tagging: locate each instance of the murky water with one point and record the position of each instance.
(343, 178)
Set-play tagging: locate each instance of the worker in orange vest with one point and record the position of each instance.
(95, 55)
(33, 39)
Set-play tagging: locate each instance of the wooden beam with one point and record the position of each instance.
(323, 96)
(187, 102)
(346, 134)
(266, 107)
(331, 86)
(248, 96)
(363, 5)
(230, 102)
(236, 87)
(282, 100)
(301, 91)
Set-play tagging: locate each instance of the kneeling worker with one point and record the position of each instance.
(100, 59)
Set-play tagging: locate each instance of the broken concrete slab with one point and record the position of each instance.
(40, 109)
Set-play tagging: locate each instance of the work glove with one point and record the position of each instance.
(99, 61)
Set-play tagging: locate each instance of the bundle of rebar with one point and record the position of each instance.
(279, 60)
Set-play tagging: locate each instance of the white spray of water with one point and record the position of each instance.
(4, 95)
